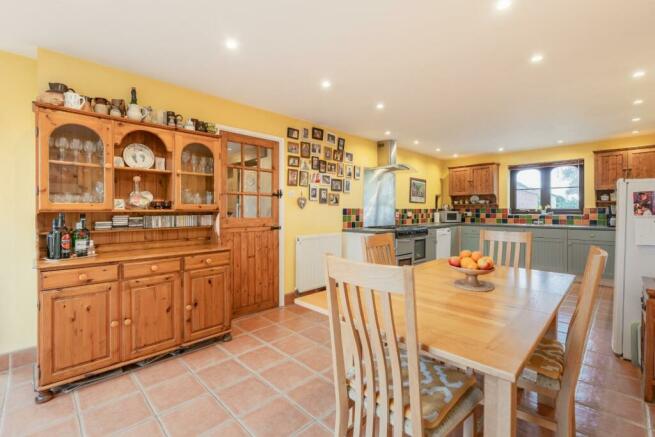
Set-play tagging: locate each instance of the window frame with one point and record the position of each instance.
(545, 170)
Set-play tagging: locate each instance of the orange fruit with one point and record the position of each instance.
(476, 255)
(465, 254)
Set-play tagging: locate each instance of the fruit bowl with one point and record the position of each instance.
(471, 281)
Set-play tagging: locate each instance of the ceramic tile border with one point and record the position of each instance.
(17, 358)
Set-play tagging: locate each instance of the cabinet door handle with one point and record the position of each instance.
(114, 323)
(189, 307)
(208, 260)
(154, 267)
(127, 322)
(83, 277)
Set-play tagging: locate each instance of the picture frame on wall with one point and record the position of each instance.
(333, 199)
(349, 156)
(322, 195)
(337, 155)
(322, 166)
(336, 184)
(315, 163)
(303, 179)
(293, 161)
(292, 177)
(293, 148)
(305, 165)
(313, 193)
(305, 149)
(417, 190)
(358, 172)
(327, 153)
(316, 178)
(293, 133)
(316, 149)
(349, 171)
(305, 133)
(346, 185)
(332, 167)
(339, 169)
(317, 133)
(341, 143)
(326, 179)
(331, 138)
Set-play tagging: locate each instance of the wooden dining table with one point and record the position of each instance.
(493, 333)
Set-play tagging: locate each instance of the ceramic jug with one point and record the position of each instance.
(136, 112)
(73, 100)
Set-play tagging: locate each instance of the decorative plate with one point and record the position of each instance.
(138, 156)
(474, 199)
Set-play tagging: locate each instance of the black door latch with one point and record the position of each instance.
(278, 194)
(276, 228)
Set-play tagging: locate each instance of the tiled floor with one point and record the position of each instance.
(274, 379)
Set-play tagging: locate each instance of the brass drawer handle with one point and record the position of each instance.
(127, 322)
(208, 260)
(154, 267)
(114, 323)
(189, 307)
(83, 277)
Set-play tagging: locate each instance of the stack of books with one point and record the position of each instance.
(159, 221)
(100, 225)
(120, 221)
(135, 222)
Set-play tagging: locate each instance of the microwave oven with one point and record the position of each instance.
(450, 217)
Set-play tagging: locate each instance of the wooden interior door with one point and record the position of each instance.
(78, 331)
(249, 220)
(206, 302)
(460, 181)
(609, 167)
(641, 163)
(151, 310)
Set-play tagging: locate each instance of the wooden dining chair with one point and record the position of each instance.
(553, 368)
(508, 246)
(376, 376)
(380, 249)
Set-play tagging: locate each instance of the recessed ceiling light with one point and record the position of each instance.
(415, 141)
(231, 44)
(536, 58)
(500, 149)
(638, 102)
(636, 119)
(325, 84)
(387, 132)
(380, 105)
(560, 141)
(438, 149)
(455, 155)
(638, 74)
(501, 5)
(635, 132)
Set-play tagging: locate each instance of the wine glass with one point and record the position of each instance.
(89, 149)
(62, 145)
(194, 163)
(186, 157)
(76, 147)
(203, 164)
(210, 165)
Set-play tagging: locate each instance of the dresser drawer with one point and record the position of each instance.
(206, 260)
(588, 235)
(72, 277)
(154, 267)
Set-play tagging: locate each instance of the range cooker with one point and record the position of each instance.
(413, 244)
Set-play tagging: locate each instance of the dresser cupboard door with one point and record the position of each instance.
(641, 163)
(151, 315)
(78, 331)
(460, 181)
(483, 179)
(609, 168)
(206, 302)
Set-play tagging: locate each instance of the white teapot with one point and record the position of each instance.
(136, 112)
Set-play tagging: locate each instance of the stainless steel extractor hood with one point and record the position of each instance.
(388, 155)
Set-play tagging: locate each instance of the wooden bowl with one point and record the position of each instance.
(471, 282)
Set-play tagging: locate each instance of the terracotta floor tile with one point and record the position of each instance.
(228, 429)
(223, 374)
(627, 407)
(4, 362)
(329, 421)
(293, 344)
(69, 427)
(317, 358)
(298, 324)
(271, 333)
(252, 323)
(19, 396)
(148, 428)
(317, 317)
(204, 357)
(114, 416)
(101, 392)
(590, 422)
(261, 358)
(173, 392)
(266, 420)
(279, 314)
(296, 309)
(588, 395)
(33, 417)
(4, 386)
(286, 375)
(241, 345)
(319, 334)
(22, 357)
(315, 430)
(194, 417)
(246, 395)
(315, 396)
(22, 374)
(160, 372)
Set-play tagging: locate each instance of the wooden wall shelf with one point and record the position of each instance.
(75, 164)
(143, 170)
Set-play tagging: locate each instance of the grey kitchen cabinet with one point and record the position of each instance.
(579, 242)
(549, 254)
(454, 240)
(470, 238)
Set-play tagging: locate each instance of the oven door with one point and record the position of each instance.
(420, 249)
(404, 260)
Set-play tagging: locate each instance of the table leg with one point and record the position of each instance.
(499, 407)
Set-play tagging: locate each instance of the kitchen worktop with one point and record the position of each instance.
(511, 225)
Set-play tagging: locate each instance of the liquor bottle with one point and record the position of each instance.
(65, 237)
(81, 237)
(54, 240)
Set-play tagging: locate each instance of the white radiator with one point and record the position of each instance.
(310, 251)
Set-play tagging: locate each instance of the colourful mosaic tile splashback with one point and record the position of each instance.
(354, 217)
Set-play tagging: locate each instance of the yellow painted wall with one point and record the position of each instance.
(17, 277)
(572, 151)
(422, 167)
(23, 79)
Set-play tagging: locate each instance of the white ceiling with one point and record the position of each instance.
(453, 74)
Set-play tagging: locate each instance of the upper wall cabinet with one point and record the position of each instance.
(641, 163)
(74, 155)
(612, 165)
(480, 180)
(609, 167)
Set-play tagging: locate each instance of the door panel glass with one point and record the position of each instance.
(76, 165)
(265, 182)
(233, 179)
(233, 153)
(197, 182)
(265, 158)
(233, 206)
(250, 206)
(265, 206)
(249, 155)
(250, 181)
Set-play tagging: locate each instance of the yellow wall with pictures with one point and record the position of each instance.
(23, 78)
(583, 151)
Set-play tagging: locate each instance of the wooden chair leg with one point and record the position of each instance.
(469, 426)
(565, 420)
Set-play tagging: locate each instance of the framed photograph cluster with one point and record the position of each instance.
(319, 161)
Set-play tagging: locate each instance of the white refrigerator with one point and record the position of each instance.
(635, 258)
